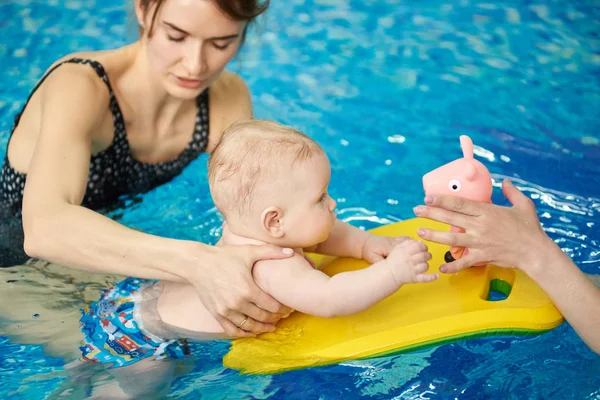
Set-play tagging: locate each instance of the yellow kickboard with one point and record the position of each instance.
(451, 308)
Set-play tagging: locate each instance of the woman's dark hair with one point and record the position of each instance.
(238, 10)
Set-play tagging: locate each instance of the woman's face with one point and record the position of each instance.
(191, 42)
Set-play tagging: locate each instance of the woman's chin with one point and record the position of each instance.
(184, 93)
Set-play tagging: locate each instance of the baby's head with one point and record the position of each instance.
(270, 183)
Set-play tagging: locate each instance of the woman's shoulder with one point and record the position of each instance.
(229, 101)
(74, 76)
(77, 87)
(112, 61)
(99, 56)
(230, 85)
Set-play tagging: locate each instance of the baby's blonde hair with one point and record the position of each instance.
(249, 153)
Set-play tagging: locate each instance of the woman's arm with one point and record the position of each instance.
(513, 237)
(58, 229)
(577, 298)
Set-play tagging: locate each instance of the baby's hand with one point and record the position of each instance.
(378, 248)
(408, 262)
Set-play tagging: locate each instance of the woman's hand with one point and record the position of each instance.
(504, 236)
(227, 289)
(513, 237)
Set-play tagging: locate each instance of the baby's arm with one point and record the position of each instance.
(344, 240)
(294, 283)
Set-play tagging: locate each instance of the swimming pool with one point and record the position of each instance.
(386, 88)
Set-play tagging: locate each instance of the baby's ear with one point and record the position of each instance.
(272, 221)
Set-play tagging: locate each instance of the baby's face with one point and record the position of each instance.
(308, 213)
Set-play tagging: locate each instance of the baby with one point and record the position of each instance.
(270, 183)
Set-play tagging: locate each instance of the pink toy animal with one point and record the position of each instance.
(465, 177)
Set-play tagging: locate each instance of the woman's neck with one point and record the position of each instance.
(142, 95)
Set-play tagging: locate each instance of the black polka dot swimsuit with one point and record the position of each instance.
(113, 172)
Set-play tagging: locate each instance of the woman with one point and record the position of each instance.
(104, 124)
(513, 238)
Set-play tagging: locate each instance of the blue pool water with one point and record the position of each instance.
(386, 88)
